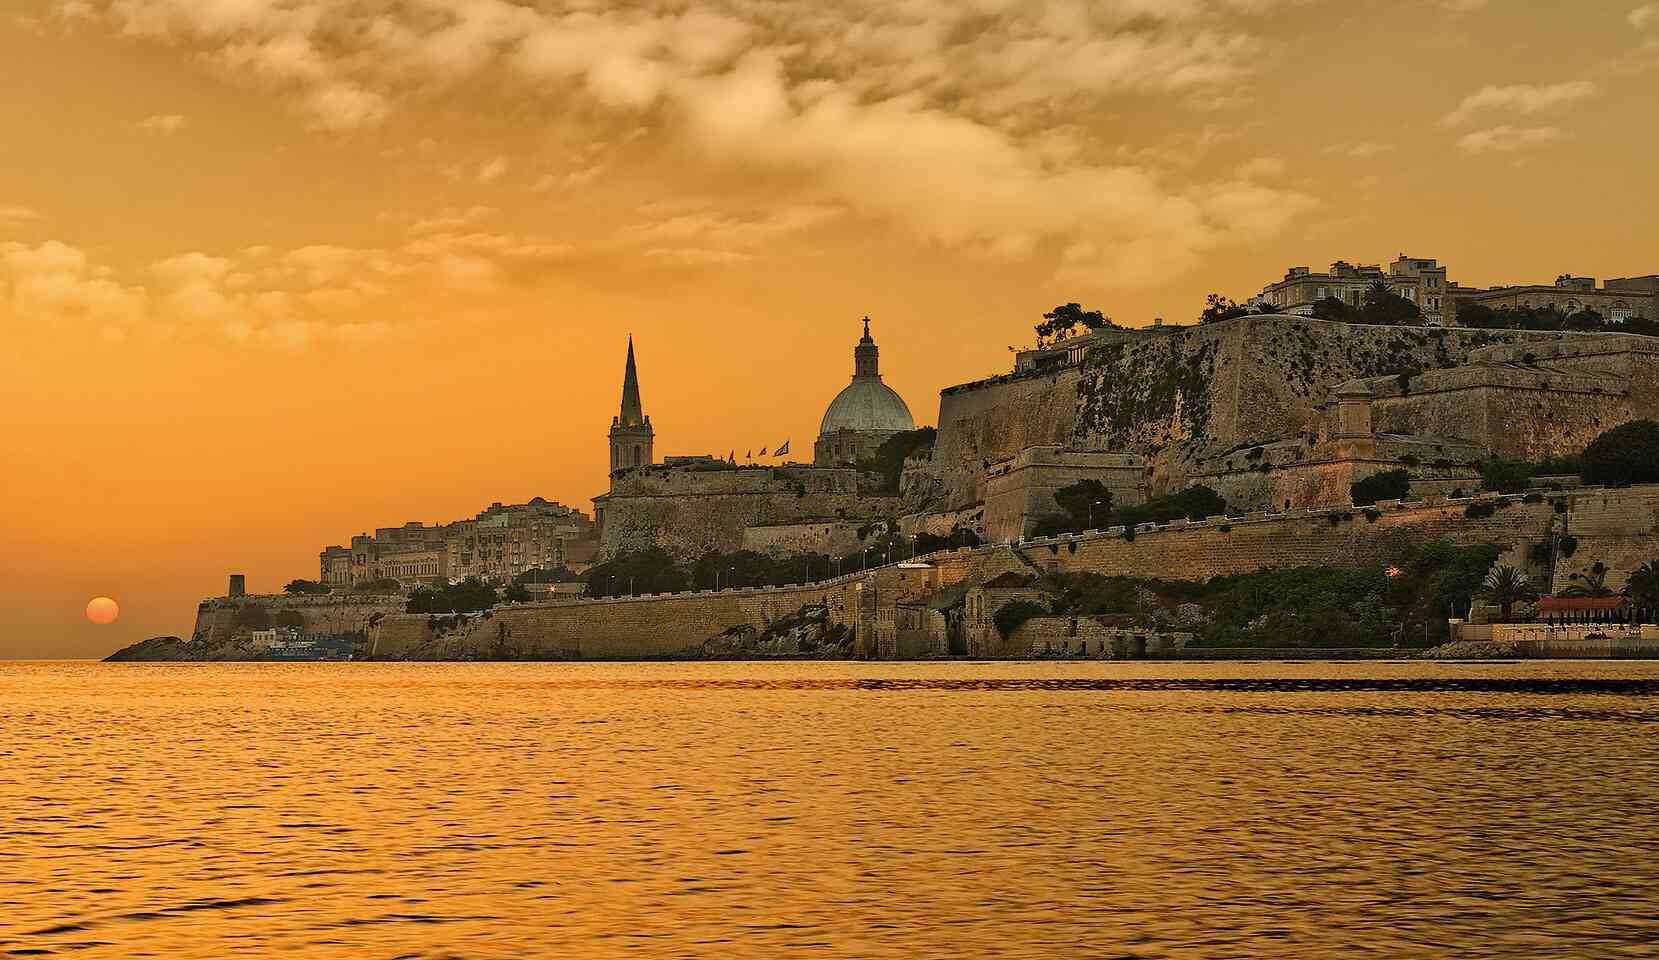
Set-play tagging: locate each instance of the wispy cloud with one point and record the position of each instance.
(897, 110)
(16, 216)
(1524, 99)
(163, 123)
(1509, 139)
(1644, 16)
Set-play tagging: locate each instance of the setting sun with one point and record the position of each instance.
(102, 610)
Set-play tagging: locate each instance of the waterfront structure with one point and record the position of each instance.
(864, 414)
(1422, 281)
(498, 544)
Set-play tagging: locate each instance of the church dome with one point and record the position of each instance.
(867, 404)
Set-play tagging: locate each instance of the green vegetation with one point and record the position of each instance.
(958, 537)
(1643, 585)
(304, 587)
(254, 616)
(1389, 485)
(1626, 454)
(1325, 606)
(288, 618)
(468, 596)
(1011, 615)
(1506, 587)
(384, 585)
(1506, 476)
(746, 568)
(516, 593)
(890, 456)
(1548, 318)
(1382, 307)
(1190, 503)
(548, 575)
(637, 571)
(1063, 322)
(1088, 505)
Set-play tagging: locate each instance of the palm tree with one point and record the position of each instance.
(1594, 585)
(1643, 586)
(1507, 586)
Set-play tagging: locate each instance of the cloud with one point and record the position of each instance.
(1521, 98)
(1644, 16)
(17, 216)
(955, 119)
(163, 123)
(53, 285)
(1509, 139)
(1362, 150)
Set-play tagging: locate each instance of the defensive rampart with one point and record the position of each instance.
(1259, 379)
(322, 616)
(1616, 528)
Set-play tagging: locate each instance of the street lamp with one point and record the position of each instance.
(1091, 513)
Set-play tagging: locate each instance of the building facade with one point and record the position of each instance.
(1419, 280)
(1624, 298)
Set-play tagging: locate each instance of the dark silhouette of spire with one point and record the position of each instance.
(632, 413)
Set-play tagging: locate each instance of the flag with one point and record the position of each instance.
(750, 455)
(731, 457)
(763, 451)
(782, 450)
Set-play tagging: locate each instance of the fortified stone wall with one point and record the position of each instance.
(321, 615)
(1620, 528)
(1517, 412)
(1248, 381)
(830, 537)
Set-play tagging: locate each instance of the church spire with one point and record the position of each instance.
(632, 414)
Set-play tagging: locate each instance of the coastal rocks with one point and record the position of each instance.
(806, 633)
(1471, 650)
(174, 648)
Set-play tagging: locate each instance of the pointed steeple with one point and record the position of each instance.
(632, 413)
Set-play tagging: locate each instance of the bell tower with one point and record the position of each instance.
(631, 434)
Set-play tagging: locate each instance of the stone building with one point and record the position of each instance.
(863, 415)
(1421, 281)
(690, 505)
(1624, 298)
(498, 544)
(1019, 491)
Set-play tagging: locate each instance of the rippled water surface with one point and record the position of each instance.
(829, 810)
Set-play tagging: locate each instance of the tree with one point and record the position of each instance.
(889, 458)
(1332, 308)
(516, 593)
(468, 596)
(289, 618)
(1218, 308)
(1592, 584)
(548, 575)
(255, 616)
(1626, 454)
(1385, 307)
(650, 570)
(1191, 503)
(1063, 321)
(1388, 485)
(1643, 585)
(1507, 586)
(1505, 476)
(1087, 502)
(300, 587)
(383, 585)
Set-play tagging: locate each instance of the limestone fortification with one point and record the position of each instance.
(1615, 528)
(1187, 397)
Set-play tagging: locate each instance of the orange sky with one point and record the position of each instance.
(273, 272)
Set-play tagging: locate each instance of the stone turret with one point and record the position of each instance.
(631, 435)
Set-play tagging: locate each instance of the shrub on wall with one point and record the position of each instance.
(1480, 510)
(1505, 476)
(1013, 614)
(1626, 454)
(253, 616)
(1388, 485)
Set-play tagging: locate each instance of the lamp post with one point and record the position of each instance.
(1091, 513)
